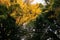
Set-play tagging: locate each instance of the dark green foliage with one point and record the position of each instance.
(45, 20)
(56, 3)
(43, 31)
(8, 28)
(46, 25)
(3, 9)
(42, 24)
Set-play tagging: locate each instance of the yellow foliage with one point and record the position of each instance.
(28, 11)
(6, 2)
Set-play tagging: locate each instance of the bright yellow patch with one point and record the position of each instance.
(28, 11)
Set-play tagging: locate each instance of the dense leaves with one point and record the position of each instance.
(47, 23)
(22, 20)
(8, 29)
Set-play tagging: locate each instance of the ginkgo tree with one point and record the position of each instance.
(25, 12)
(16, 12)
(28, 11)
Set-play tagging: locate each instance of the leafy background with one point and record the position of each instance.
(24, 21)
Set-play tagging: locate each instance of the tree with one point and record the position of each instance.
(28, 12)
(13, 11)
(47, 21)
(8, 28)
(21, 19)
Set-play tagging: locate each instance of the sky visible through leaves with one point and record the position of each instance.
(38, 1)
